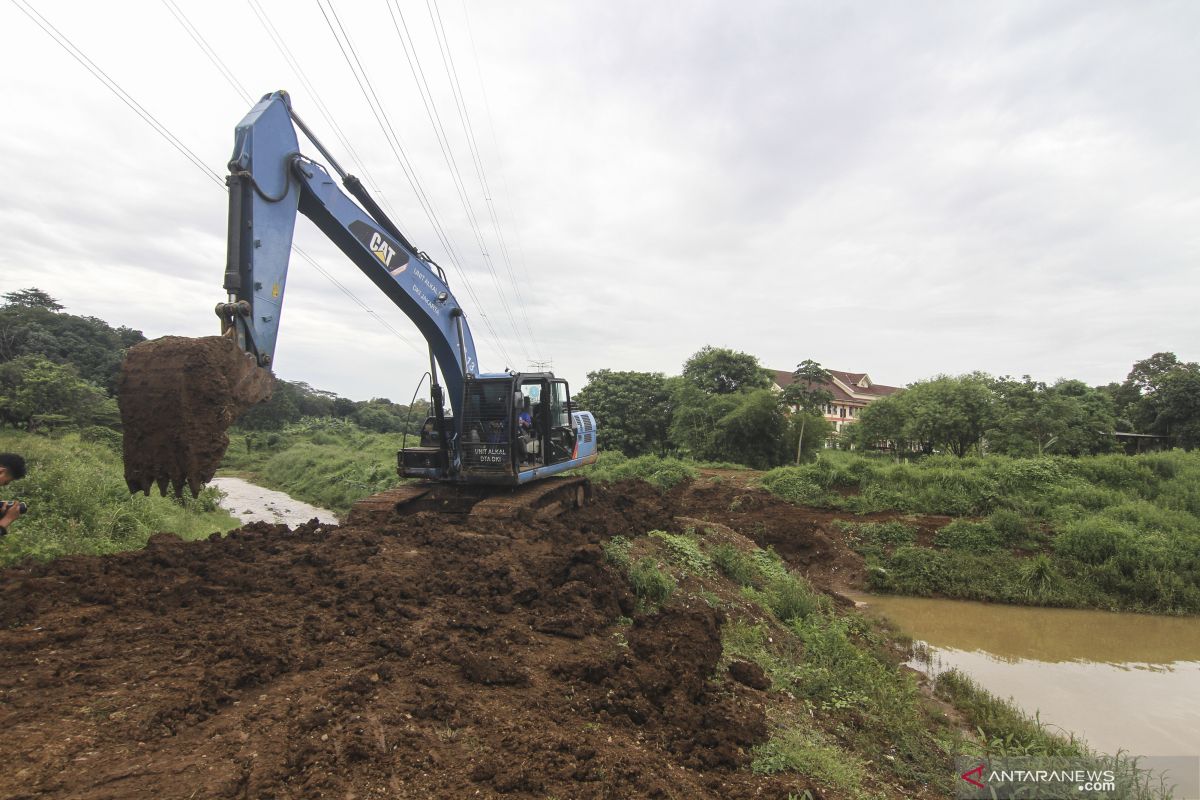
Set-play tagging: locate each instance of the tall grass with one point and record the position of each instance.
(329, 463)
(1112, 531)
(79, 504)
(663, 473)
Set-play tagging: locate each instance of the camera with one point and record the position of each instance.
(5, 505)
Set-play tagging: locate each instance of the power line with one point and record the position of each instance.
(393, 139)
(281, 45)
(464, 115)
(207, 49)
(66, 44)
(113, 86)
(507, 192)
(443, 140)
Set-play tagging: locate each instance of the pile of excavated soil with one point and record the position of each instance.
(426, 657)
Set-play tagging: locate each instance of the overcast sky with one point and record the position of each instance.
(903, 189)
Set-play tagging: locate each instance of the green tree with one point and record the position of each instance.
(694, 418)
(1176, 406)
(1151, 400)
(948, 413)
(752, 433)
(32, 298)
(36, 393)
(95, 348)
(881, 424)
(632, 410)
(279, 410)
(814, 429)
(807, 394)
(719, 370)
(1034, 419)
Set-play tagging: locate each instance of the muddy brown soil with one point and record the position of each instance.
(421, 658)
(178, 396)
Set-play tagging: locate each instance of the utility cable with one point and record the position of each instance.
(66, 44)
(397, 147)
(113, 86)
(464, 116)
(330, 119)
(207, 49)
(443, 140)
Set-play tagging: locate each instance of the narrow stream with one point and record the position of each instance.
(251, 503)
(1126, 682)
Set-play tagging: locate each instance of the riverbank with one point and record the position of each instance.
(635, 646)
(1121, 681)
(1105, 532)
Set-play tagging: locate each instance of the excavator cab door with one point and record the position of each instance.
(560, 432)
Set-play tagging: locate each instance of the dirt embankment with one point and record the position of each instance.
(424, 658)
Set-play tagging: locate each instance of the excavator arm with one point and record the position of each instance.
(269, 181)
(205, 384)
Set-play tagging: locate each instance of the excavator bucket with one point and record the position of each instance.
(178, 396)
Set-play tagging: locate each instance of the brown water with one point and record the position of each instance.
(1121, 681)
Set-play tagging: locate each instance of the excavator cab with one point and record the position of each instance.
(514, 428)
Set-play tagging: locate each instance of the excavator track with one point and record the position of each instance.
(541, 500)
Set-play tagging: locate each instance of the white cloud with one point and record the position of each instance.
(905, 190)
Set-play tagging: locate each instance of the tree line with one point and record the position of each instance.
(60, 371)
(720, 408)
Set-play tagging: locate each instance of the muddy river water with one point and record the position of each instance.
(1121, 681)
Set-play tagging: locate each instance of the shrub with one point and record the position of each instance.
(963, 535)
(663, 473)
(810, 753)
(79, 503)
(1093, 540)
(616, 552)
(790, 598)
(796, 485)
(1009, 526)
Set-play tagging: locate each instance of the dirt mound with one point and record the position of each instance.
(178, 396)
(421, 658)
(803, 536)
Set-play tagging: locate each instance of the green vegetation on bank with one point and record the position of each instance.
(330, 463)
(79, 504)
(1118, 532)
(836, 697)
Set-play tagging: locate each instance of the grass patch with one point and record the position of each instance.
(662, 473)
(813, 754)
(1112, 532)
(651, 584)
(327, 462)
(79, 502)
(684, 550)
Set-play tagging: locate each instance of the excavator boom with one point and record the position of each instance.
(178, 396)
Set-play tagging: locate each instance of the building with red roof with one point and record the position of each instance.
(852, 392)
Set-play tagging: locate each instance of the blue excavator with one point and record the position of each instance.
(500, 448)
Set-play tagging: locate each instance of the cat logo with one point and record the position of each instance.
(382, 250)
